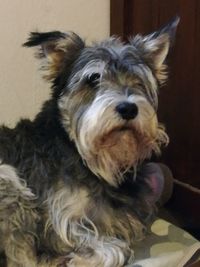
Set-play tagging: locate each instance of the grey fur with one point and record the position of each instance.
(69, 196)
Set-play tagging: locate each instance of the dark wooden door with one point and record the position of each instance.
(179, 100)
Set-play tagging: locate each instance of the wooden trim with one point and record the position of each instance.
(117, 17)
(186, 202)
(184, 206)
(120, 18)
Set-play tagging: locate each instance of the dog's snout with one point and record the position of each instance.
(127, 110)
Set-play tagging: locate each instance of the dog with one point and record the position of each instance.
(75, 186)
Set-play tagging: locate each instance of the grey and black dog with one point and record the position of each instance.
(74, 189)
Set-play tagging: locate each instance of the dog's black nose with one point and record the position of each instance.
(127, 110)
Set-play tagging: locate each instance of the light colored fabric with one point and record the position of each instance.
(166, 246)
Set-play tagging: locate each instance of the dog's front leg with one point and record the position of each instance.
(18, 220)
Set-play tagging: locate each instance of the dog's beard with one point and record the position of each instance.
(117, 151)
(111, 146)
(121, 145)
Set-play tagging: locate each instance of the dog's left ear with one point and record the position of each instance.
(155, 47)
(56, 49)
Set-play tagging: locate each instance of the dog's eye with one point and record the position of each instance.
(93, 79)
(139, 85)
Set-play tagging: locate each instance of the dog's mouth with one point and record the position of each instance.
(117, 135)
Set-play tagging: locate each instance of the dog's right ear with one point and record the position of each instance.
(56, 49)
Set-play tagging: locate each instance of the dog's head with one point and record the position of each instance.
(107, 95)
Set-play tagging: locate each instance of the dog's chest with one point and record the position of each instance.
(77, 217)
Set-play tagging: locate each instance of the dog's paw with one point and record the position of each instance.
(96, 259)
(62, 262)
(81, 260)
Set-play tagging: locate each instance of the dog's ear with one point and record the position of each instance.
(157, 44)
(155, 47)
(56, 49)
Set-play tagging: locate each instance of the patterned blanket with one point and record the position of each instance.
(166, 246)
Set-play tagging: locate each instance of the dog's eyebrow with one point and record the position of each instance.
(94, 66)
(90, 68)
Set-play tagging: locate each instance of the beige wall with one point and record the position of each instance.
(22, 89)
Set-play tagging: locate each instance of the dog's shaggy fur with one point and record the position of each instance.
(73, 189)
